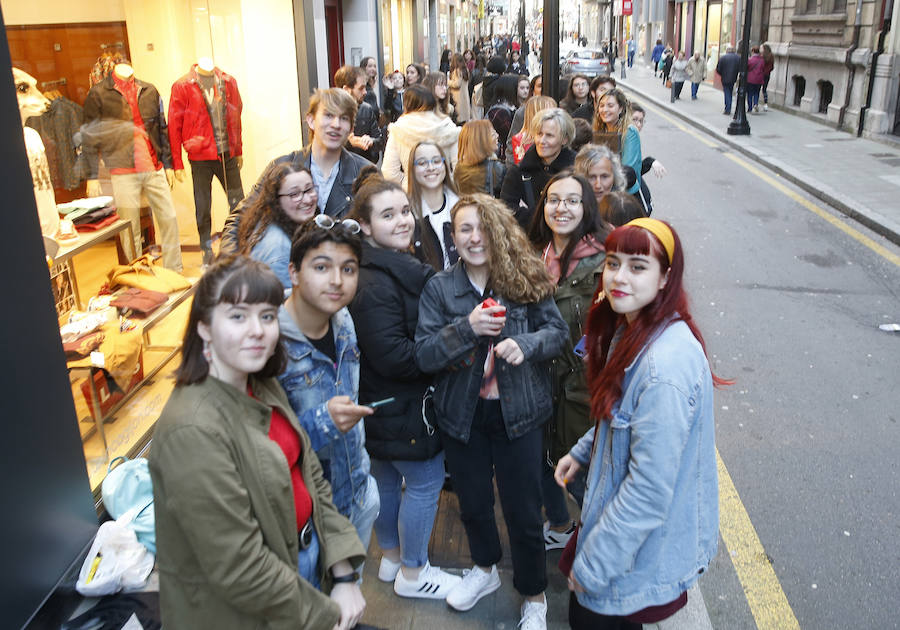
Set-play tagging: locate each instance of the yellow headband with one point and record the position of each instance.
(661, 231)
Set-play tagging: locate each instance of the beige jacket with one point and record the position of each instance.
(408, 131)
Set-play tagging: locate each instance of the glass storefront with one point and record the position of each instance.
(107, 90)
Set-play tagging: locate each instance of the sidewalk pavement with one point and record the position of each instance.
(857, 176)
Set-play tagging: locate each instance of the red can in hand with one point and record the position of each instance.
(492, 302)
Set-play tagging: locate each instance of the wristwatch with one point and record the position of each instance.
(350, 578)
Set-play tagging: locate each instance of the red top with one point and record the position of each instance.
(282, 433)
(144, 156)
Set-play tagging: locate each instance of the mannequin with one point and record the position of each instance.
(33, 103)
(205, 119)
(125, 125)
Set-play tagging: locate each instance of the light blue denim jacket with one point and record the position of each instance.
(651, 509)
(310, 380)
(274, 249)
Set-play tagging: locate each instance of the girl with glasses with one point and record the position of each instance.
(432, 194)
(246, 528)
(287, 197)
(400, 435)
(650, 514)
(569, 235)
(492, 392)
(419, 122)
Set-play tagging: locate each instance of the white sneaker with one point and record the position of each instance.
(474, 585)
(388, 569)
(766, 107)
(557, 540)
(432, 583)
(534, 615)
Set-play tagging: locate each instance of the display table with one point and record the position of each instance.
(85, 241)
(145, 324)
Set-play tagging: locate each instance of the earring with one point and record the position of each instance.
(600, 296)
(207, 353)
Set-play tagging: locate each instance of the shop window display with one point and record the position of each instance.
(128, 116)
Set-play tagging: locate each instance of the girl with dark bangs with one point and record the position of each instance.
(246, 530)
(650, 514)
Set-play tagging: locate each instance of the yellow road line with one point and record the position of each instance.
(777, 185)
(768, 603)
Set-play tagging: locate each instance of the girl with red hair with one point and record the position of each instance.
(650, 515)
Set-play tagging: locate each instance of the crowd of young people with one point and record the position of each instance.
(363, 330)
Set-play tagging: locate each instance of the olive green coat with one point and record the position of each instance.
(226, 529)
(571, 400)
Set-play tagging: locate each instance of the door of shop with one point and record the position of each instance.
(334, 27)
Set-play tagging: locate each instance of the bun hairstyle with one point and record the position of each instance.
(367, 184)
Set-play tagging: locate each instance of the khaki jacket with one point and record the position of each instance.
(696, 70)
(225, 523)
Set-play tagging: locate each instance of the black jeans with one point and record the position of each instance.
(517, 464)
(676, 89)
(580, 618)
(202, 172)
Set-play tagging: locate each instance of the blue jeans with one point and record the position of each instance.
(406, 518)
(694, 88)
(307, 561)
(753, 95)
(728, 90)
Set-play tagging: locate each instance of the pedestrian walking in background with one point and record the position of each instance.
(679, 75)
(469, 57)
(484, 96)
(649, 524)
(631, 49)
(501, 109)
(552, 130)
(613, 124)
(371, 67)
(577, 93)
(656, 55)
(459, 88)
(401, 435)
(728, 67)
(696, 71)
(478, 169)
(476, 76)
(567, 231)
(602, 168)
(419, 122)
(516, 64)
(321, 376)
(432, 194)
(236, 483)
(769, 65)
(755, 78)
(444, 65)
(492, 393)
(520, 140)
(437, 83)
(667, 59)
(287, 198)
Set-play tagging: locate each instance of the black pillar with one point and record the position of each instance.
(550, 53)
(740, 126)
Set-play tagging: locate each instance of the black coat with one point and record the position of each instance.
(385, 313)
(367, 125)
(525, 181)
(728, 67)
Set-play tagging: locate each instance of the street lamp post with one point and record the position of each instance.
(740, 126)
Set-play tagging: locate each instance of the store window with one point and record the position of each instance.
(144, 125)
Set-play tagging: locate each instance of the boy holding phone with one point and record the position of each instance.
(322, 373)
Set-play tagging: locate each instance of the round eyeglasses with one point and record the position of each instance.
(326, 223)
(297, 195)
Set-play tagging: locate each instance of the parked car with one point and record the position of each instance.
(587, 61)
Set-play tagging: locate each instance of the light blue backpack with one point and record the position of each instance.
(127, 487)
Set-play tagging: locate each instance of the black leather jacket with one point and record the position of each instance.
(447, 346)
(108, 128)
(338, 204)
(367, 125)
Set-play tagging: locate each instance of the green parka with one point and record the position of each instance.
(226, 529)
(571, 399)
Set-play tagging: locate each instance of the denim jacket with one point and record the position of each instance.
(651, 513)
(274, 249)
(447, 346)
(311, 380)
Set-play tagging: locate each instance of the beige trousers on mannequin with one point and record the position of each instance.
(127, 191)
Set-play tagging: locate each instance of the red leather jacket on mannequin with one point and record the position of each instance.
(189, 123)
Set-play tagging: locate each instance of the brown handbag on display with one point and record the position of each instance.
(144, 273)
